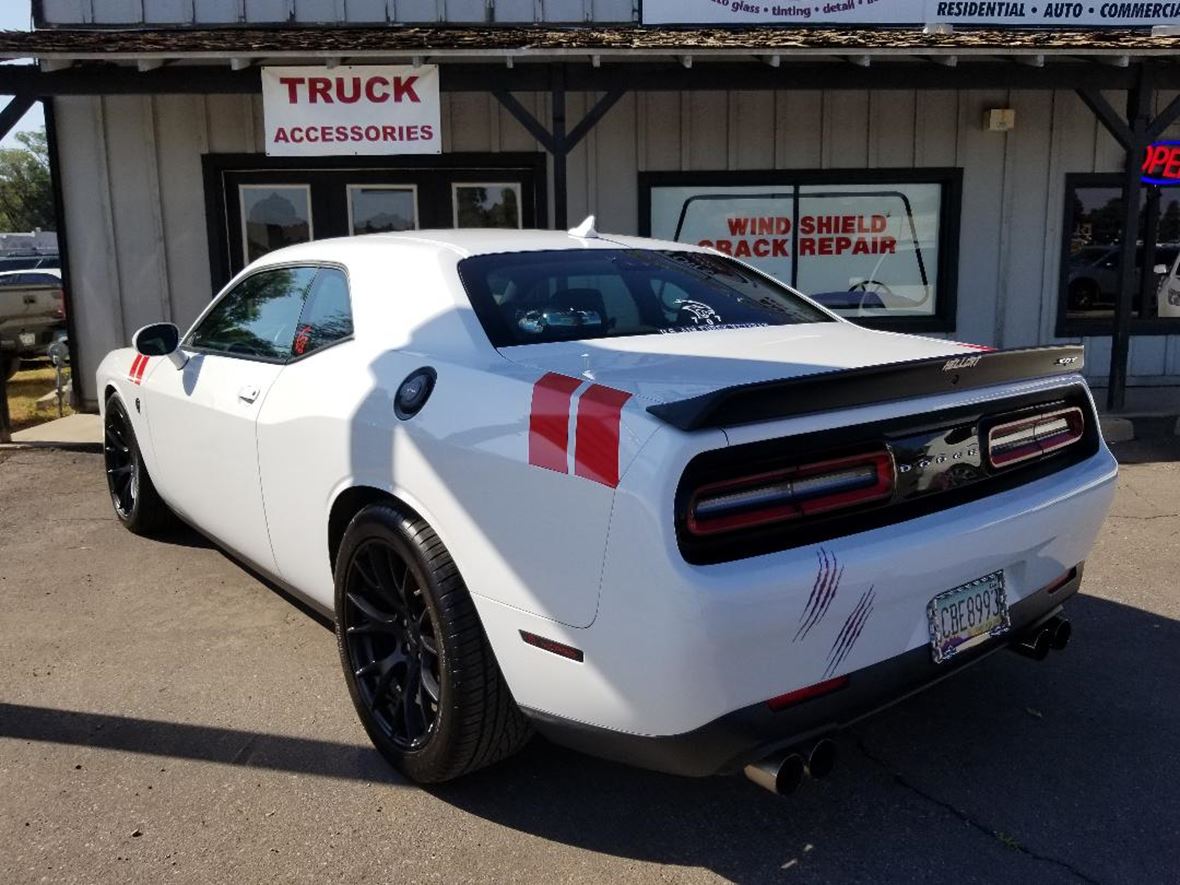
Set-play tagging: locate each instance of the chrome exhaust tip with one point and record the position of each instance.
(781, 773)
(1034, 645)
(1059, 630)
(822, 759)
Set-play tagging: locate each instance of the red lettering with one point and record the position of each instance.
(888, 244)
(780, 249)
(843, 244)
(860, 247)
(297, 135)
(372, 133)
(738, 226)
(319, 89)
(292, 84)
(706, 244)
(357, 133)
(403, 90)
(807, 246)
(847, 223)
(428, 133)
(281, 136)
(371, 92)
(742, 250)
(880, 222)
(346, 97)
(761, 248)
(1172, 170)
(825, 246)
(1155, 156)
(724, 246)
(388, 133)
(807, 225)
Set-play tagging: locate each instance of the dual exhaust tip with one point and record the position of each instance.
(782, 772)
(1053, 635)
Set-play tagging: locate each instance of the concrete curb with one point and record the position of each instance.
(1116, 429)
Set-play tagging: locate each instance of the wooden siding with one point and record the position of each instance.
(135, 211)
(206, 12)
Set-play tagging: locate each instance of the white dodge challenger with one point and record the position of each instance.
(634, 495)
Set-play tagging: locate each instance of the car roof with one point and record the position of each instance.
(462, 243)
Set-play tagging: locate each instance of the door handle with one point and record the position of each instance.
(248, 394)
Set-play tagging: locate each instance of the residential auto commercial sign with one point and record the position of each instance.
(1089, 13)
(353, 110)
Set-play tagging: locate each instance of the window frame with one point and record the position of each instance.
(349, 188)
(185, 342)
(945, 315)
(1067, 327)
(514, 185)
(242, 188)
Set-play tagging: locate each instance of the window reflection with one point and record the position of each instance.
(378, 209)
(274, 216)
(487, 205)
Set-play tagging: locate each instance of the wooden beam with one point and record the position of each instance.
(1107, 116)
(16, 108)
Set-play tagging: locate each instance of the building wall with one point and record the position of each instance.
(215, 12)
(135, 209)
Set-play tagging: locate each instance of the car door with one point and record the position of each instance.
(203, 418)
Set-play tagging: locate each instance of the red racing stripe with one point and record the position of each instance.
(134, 368)
(597, 447)
(549, 421)
(143, 364)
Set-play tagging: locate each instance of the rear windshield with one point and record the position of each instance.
(563, 295)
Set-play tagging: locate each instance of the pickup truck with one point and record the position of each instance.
(32, 315)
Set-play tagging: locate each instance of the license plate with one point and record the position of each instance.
(27, 339)
(967, 616)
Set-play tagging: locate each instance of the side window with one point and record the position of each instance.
(327, 316)
(258, 317)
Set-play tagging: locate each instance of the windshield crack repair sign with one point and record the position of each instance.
(351, 110)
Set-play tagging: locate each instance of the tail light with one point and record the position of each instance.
(791, 493)
(1014, 442)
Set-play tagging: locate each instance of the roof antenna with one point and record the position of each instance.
(585, 230)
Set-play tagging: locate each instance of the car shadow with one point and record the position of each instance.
(1061, 769)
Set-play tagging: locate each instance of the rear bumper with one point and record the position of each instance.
(726, 744)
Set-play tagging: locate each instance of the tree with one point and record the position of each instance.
(26, 192)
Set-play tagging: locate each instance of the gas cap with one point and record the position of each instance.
(413, 392)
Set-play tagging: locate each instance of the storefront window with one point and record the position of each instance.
(860, 244)
(274, 216)
(487, 205)
(374, 209)
(1092, 255)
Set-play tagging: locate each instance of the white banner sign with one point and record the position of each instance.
(974, 12)
(369, 109)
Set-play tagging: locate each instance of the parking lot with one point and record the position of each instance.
(166, 716)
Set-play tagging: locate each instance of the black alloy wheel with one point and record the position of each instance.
(392, 644)
(122, 462)
(136, 501)
(420, 670)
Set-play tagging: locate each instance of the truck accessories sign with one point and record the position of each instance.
(355, 110)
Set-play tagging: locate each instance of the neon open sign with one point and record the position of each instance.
(1161, 163)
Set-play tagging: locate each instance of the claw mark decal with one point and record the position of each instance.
(823, 591)
(850, 632)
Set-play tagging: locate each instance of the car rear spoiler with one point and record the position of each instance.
(847, 388)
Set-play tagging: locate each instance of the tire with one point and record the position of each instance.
(137, 503)
(419, 668)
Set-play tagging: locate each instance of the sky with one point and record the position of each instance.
(15, 16)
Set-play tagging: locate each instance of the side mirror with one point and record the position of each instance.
(1160, 269)
(160, 339)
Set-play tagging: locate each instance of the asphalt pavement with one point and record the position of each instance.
(165, 716)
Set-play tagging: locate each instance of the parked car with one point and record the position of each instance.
(636, 495)
(1094, 274)
(32, 315)
(1168, 293)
